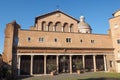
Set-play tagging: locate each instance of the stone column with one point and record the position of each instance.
(19, 60)
(105, 67)
(57, 61)
(83, 61)
(45, 58)
(94, 62)
(70, 57)
(31, 65)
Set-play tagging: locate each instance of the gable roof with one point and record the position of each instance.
(44, 15)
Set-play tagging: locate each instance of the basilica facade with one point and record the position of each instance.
(59, 39)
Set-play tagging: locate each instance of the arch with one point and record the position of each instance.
(71, 28)
(43, 28)
(50, 26)
(65, 27)
(58, 26)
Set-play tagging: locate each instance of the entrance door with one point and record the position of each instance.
(64, 64)
(25, 65)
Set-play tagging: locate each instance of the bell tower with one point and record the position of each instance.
(115, 36)
(11, 35)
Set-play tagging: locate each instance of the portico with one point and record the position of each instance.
(36, 64)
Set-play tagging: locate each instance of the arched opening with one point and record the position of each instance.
(50, 26)
(65, 27)
(43, 28)
(58, 26)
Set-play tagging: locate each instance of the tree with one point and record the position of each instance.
(79, 66)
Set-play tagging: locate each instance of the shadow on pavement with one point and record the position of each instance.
(100, 79)
(23, 77)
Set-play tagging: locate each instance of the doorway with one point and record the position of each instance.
(64, 64)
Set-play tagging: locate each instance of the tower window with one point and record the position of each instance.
(41, 39)
(118, 41)
(68, 40)
(92, 41)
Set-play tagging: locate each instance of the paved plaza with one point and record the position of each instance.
(67, 76)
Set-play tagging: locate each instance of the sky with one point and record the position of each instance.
(96, 12)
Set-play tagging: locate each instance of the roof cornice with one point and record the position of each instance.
(44, 15)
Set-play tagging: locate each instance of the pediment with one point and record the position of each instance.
(56, 15)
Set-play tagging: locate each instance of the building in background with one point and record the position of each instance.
(59, 39)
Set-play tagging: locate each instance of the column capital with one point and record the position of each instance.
(83, 55)
(31, 55)
(94, 55)
(45, 55)
(57, 55)
(19, 55)
(104, 54)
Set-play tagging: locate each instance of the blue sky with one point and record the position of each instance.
(97, 12)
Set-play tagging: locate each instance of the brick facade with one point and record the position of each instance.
(57, 33)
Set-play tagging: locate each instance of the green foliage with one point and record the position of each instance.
(51, 66)
(79, 65)
(6, 73)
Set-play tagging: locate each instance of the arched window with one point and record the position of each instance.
(43, 28)
(58, 26)
(65, 27)
(50, 26)
(71, 28)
